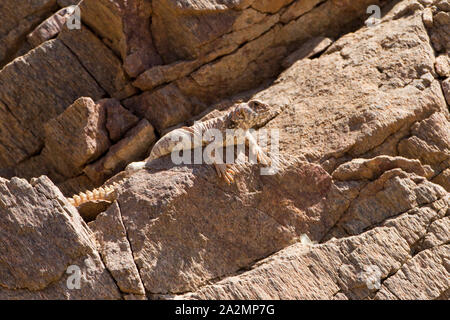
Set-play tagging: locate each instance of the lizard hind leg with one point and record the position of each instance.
(135, 166)
(262, 157)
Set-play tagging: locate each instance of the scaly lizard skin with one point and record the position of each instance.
(244, 117)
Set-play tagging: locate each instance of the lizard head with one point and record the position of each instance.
(241, 115)
(251, 114)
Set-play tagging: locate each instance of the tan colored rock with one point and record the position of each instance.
(414, 225)
(350, 268)
(393, 193)
(426, 270)
(297, 9)
(105, 19)
(182, 29)
(319, 115)
(186, 227)
(328, 119)
(446, 89)
(43, 238)
(307, 50)
(367, 118)
(125, 26)
(99, 61)
(429, 142)
(443, 179)
(427, 17)
(256, 60)
(163, 108)
(55, 80)
(18, 19)
(316, 272)
(49, 28)
(115, 248)
(371, 169)
(118, 119)
(247, 26)
(404, 8)
(439, 34)
(244, 48)
(137, 21)
(438, 233)
(80, 136)
(249, 19)
(164, 74)
(270, 6)
(134, 146)
(76, 137)
(442, 65)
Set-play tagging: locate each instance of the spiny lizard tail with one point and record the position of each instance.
(106, 193)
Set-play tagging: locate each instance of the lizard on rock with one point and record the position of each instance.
(242, 118)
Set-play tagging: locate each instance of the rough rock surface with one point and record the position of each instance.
(42, 236)
(135, 145)
(115, 248)
(364, 143)
(188, 227)
(19, 18)
(24, 109)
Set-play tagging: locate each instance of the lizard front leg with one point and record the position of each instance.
(224, 170)
(255, 149)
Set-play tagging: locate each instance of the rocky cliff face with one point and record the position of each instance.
(364, 139)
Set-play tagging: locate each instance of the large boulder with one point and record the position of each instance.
(55, 80)
(45, 245)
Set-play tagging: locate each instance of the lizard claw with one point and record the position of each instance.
(226, 172)
(263, 158)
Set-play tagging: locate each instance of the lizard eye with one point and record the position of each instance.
(256, 105)
(239, 113)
